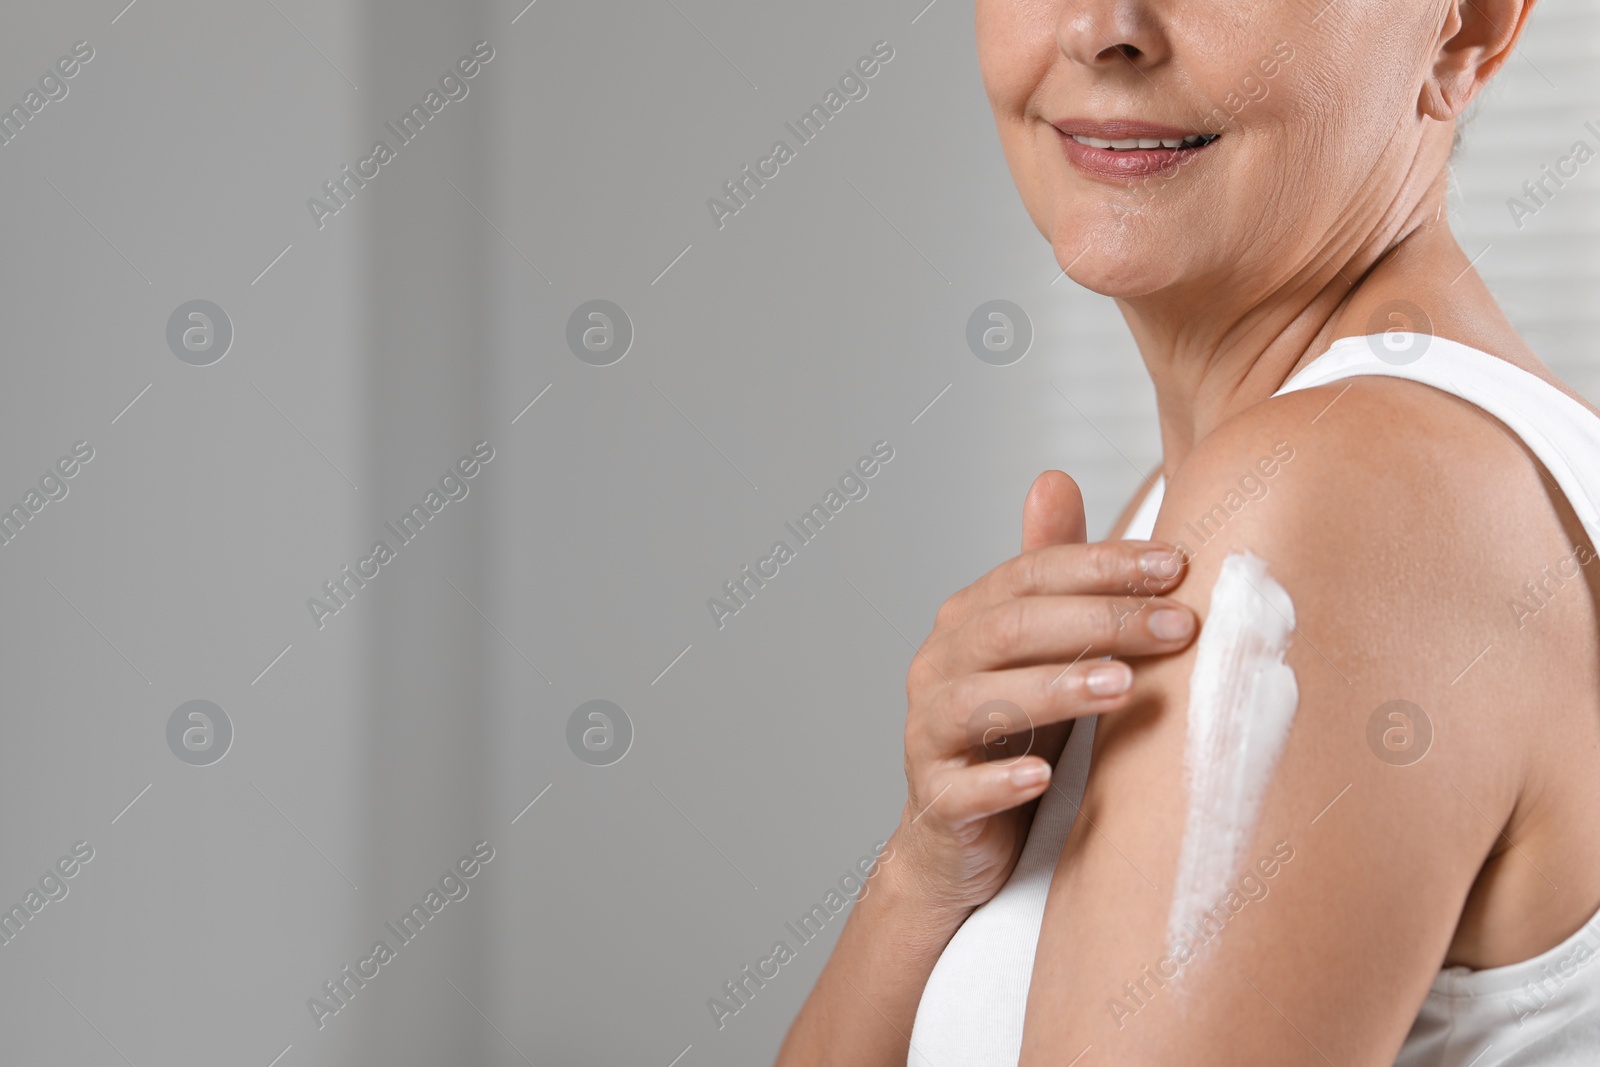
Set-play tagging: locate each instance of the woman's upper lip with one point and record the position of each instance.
(1122, 129)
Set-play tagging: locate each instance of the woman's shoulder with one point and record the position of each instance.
(1406, 523)
(1409, 515)
(1359, 458)
(1390, 525)
(1433, 560)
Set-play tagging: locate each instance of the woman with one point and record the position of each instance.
(1261, 184)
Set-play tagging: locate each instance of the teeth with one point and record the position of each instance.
(1131, 143)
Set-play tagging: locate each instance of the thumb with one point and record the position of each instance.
(1053, 512)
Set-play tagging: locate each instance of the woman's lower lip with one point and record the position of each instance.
(1129, 164)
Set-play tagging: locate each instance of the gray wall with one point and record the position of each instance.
(370, 354)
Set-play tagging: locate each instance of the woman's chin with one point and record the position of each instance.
(1118, 272)
(1115, 259)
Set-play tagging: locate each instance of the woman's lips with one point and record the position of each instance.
(1161, 148)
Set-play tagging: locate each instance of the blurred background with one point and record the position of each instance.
(273, 742)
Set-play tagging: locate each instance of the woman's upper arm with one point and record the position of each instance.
(1342, 894)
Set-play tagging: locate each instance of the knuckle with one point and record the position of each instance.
(1058, 687)
(929, 677)
(966, 694)
(917, 750)
(1025, 575)
(951, 611)
(1108, 620)
(925, 740)
(1000, 631)
(919, 675)
(1108, 564)
(948, 802)
(915, 668)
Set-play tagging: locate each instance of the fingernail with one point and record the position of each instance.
(1110, 679)
(1030, 773)
(1160, 564)
(1171, 624)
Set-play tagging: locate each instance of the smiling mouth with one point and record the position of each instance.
(1130, 144)
(1124, 150)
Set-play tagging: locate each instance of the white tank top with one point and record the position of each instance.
(1543, 1012)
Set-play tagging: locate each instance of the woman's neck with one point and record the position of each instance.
(1213, 353)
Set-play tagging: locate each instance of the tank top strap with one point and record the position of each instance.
(1563, 433)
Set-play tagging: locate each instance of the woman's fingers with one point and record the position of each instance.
(1058, 629)
(1011, 658)
(1101, 567)
(1137, 568)
(999, 710)
(959, 796)
(1052, 514)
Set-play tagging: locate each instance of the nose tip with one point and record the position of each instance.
(1104, 33)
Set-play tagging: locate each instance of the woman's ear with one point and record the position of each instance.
(1475, 41)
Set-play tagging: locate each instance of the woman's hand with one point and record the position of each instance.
(1011, 660)
(1013, 651)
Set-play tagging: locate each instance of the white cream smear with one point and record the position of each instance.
(1242, 700)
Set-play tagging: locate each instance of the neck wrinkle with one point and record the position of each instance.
(1210, 366)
